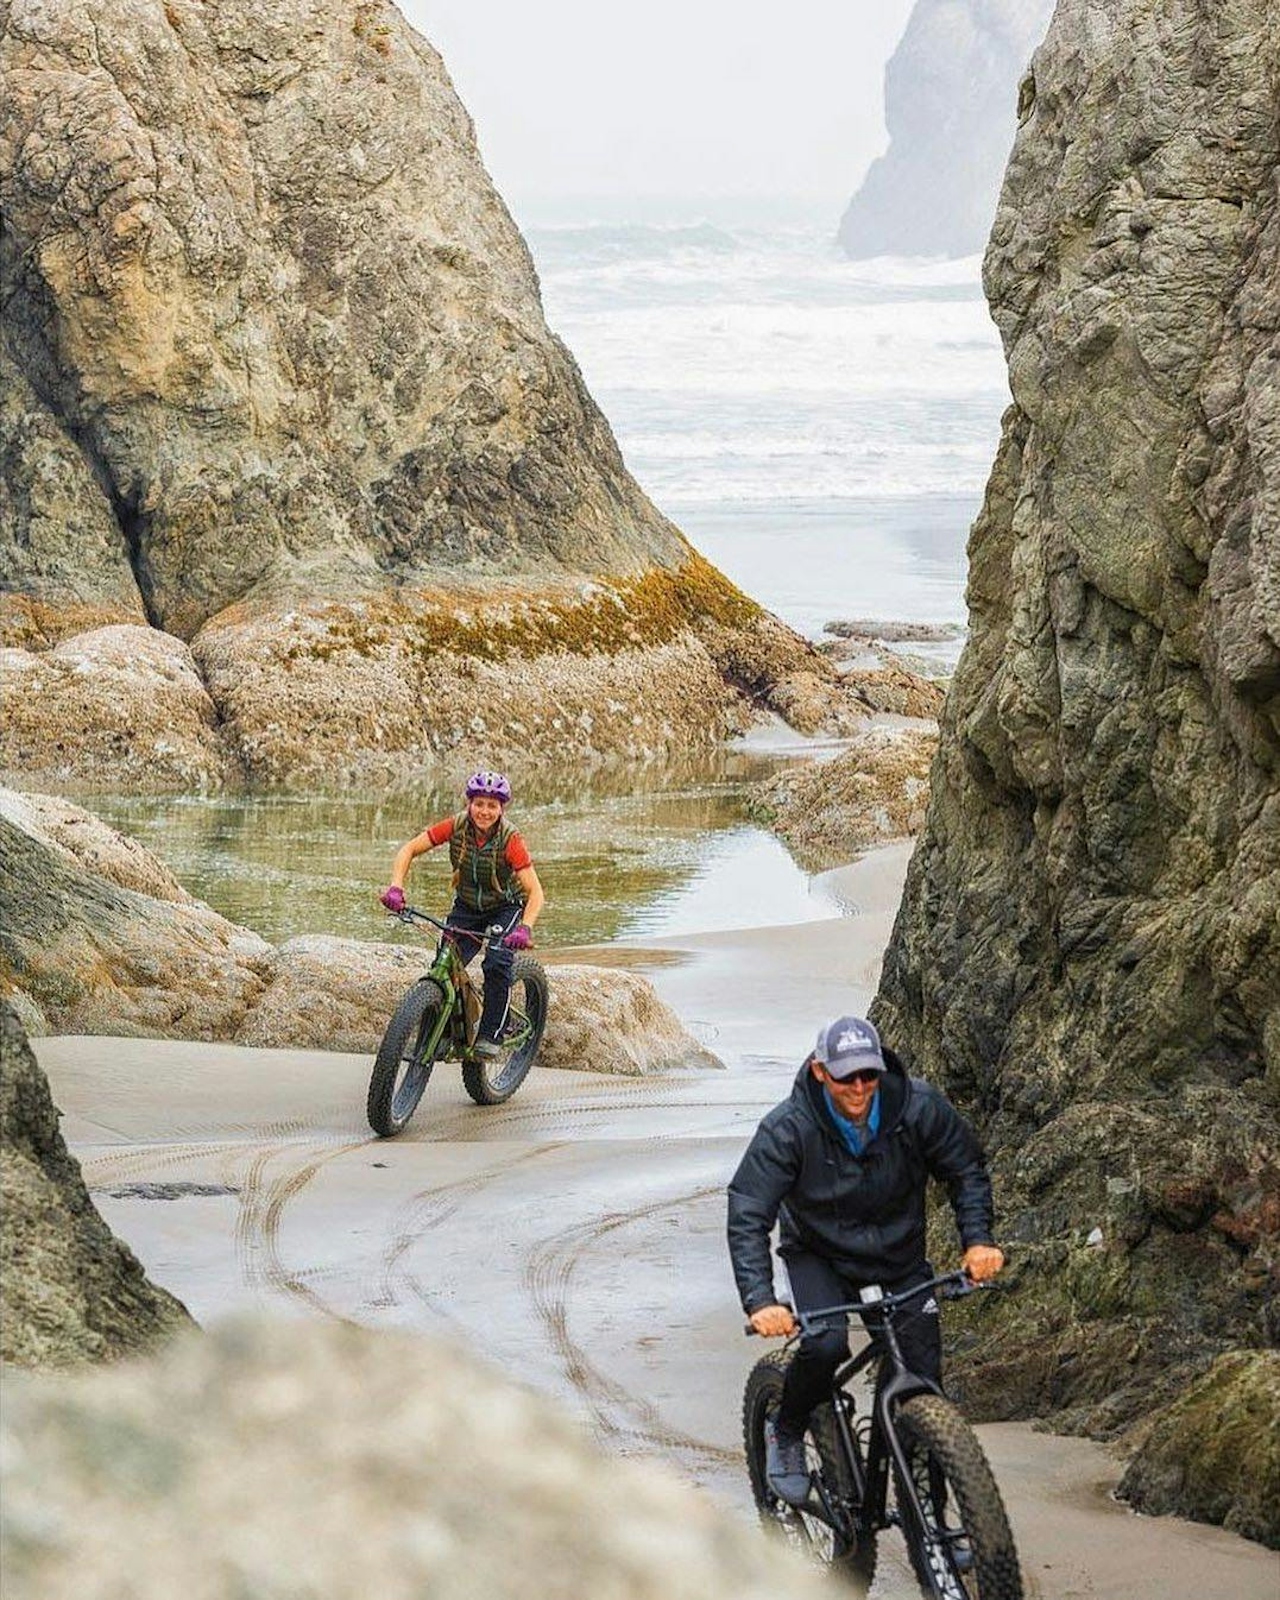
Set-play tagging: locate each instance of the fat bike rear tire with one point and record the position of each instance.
(820, 1544)
(491, 1082)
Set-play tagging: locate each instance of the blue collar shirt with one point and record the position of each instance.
(849, 1131)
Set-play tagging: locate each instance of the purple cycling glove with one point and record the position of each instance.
(519, 938)
(393, 898)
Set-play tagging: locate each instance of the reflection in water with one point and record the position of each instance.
(675, 855)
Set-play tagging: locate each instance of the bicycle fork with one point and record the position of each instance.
(886, 1444)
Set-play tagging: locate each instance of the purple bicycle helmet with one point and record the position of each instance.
(490, 783)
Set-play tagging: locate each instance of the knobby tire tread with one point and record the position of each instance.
(425, 997)
(941, 1428)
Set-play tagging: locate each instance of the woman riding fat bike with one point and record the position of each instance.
(495, 887)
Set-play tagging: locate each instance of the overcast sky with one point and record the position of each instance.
(680, 98)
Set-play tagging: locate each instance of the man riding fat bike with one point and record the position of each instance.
(844, 1164)
(494, 883)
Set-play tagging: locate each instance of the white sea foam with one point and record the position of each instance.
(754, 378)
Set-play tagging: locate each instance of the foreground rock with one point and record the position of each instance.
(70, 1291)
(277, 381)
(96, 936)
(121, 706)
(1215, 1452)
(1088, 952)
(951, 99)
(830, 811)
(338, 1462)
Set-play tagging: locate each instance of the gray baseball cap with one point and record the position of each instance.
(849, 1045)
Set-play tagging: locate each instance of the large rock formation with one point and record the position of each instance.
(1088, 951)
(69, 1291)
(276, 375)
(97, 936)
(333, 1461)
(950, 99)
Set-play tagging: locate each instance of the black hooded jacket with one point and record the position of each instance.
(864, 1214)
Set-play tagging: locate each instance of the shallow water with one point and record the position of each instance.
(669, 857)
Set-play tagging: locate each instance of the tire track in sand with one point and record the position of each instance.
(257, 1230)
(421, 1214)
(618, 1413)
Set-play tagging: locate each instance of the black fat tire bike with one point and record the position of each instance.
(913, 1463)
(437, 1020)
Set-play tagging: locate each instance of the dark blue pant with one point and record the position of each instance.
(815, 1283)
(498, 960)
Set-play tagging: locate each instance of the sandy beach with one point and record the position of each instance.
(574, 1236)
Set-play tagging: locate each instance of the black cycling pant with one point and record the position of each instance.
(816, 1283)
(498, 960)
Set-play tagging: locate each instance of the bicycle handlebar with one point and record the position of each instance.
(410, 914)
(954, 1285)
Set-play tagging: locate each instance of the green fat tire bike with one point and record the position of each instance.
(437, 1020)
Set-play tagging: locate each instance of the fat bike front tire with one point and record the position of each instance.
(491, 1082)
(813, 1538)
(403, 1063)
(963, 1548)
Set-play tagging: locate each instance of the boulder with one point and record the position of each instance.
(1088, 953)
(327, 993)
(606, 1019)
(99, 958)
(331, 1460)
(1214, 1454)
(830, 811)
(70, 1291)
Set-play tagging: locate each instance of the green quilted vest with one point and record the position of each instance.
(482, 875)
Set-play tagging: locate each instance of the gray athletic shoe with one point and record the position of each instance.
(486, 1049)
(785, 1465)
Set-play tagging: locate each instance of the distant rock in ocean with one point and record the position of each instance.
(1088, 951)
(276, 382)
(951, 98)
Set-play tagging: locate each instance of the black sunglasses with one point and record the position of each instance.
(869, 1076)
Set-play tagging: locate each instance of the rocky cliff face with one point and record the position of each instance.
(951, 93)
(256, 270)
(1088, 951)
(276, 380)
(71, 1291)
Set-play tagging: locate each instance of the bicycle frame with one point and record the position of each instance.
(870, 1477)
(449, 970)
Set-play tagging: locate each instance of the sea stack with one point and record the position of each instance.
(278, 389)
(1088, 952)
(950, 98)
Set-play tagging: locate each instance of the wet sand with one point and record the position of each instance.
(574, 1236)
